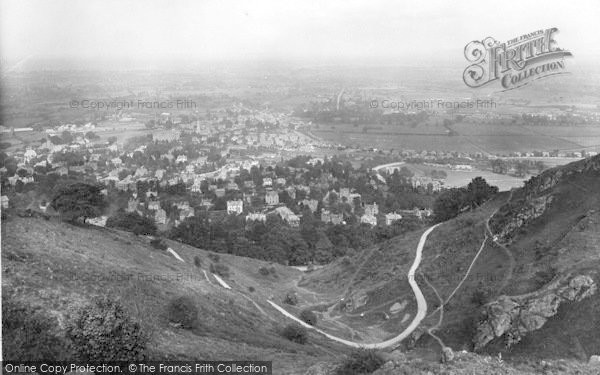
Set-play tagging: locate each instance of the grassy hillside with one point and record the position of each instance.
(58, 267)
(560, 240)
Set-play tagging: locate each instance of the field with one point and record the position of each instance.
(462, 178)
(487, 138)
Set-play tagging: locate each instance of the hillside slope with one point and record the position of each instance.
(57, 267)
(534, 248)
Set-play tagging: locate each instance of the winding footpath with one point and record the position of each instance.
(421, 307)
(487, 234)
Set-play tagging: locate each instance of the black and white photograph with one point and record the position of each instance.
(303, 187)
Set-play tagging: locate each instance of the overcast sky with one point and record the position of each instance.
(316, 30)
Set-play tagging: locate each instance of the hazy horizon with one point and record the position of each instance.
(311, 32)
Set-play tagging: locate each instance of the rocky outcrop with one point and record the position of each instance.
(515, 316)
(535, 197)
(548, 179)
(526, 213)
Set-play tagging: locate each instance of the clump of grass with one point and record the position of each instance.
(183, 311)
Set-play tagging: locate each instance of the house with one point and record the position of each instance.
(312, 204)
(267, 182)
(132, 205)
(197, 186)
(371, 209)
(345, 195)
(235, 207)
(206, 203)
(160, 216)
(272, 198)
(187, 212)
(256, 217)
(288, 216)
(368, 219)
(329, 217)
(232, 186)
(417, 212)
(181, 159)
(220, 192)
(141, 171)
(154, 205)
(391, 217)
(183, 205)
(29, 155)
(280, 181)
(63, 171)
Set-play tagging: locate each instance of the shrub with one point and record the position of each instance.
(132, 222)
(197, 261)
(309, 317)
(264, 271)
(30, 334)
(220, 269)
(290, 299)
(296, 333)
(183, 311)
(361, 361)
(158, 244)
(103, 331)
(214, 257)
(251, 289)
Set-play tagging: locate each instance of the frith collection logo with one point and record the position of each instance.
(516, 62)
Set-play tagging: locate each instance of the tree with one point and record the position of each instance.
(78, 200)
(91, 135)
(479, 191)
(499, 166)
(521, 168)
(67, 137)
(448, 204)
